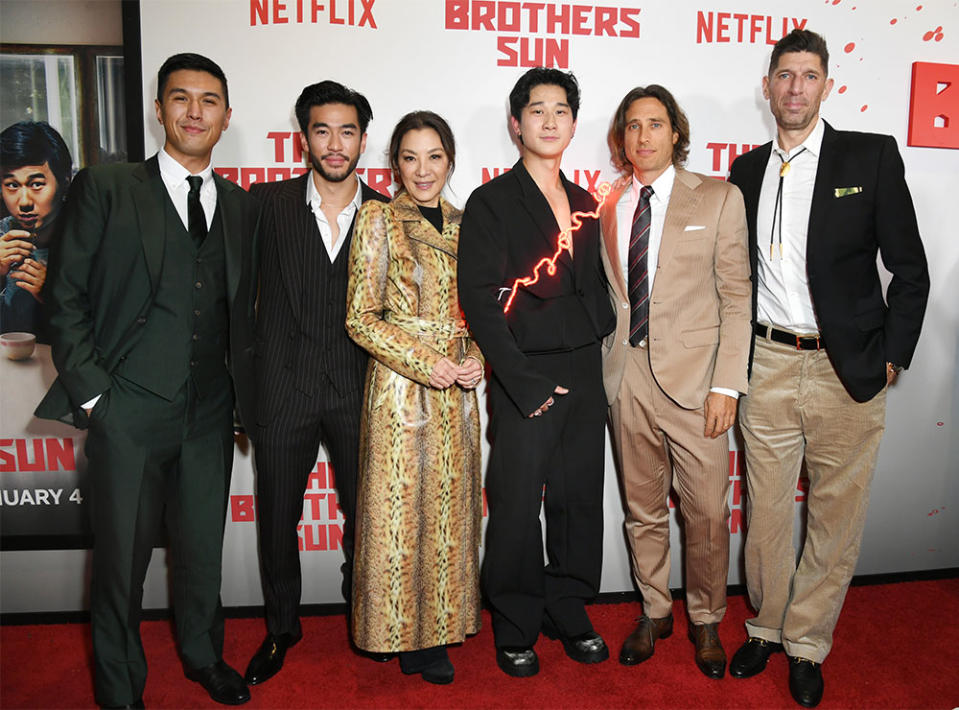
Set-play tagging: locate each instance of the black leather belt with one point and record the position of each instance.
(800, 342)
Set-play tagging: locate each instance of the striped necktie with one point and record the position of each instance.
(638, 270)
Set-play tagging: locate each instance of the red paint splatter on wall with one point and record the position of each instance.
(864, 107)
(933, 34)
(842, 89)
(918, 8)
(836, 2)
(849, 47)
(893, 21)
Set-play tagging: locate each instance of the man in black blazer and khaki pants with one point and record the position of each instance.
(820, 204)
(309, 374)
(151, 315)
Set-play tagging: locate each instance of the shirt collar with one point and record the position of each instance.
(662, 186)
(314, 200)
(175, 174)
(812, 144)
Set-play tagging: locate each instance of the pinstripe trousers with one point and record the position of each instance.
(659, 445)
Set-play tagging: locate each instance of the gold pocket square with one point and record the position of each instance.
(843, 191)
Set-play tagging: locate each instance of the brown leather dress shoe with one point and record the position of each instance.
(639, 645)
(710, 656)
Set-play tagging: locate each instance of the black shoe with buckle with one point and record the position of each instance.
(805, 681)
(752, 657)
(268, 659)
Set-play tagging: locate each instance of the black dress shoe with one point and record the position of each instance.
(587, 647)
(439, 673)
(519, 662)
(433, 664)
(136, 704)
(268, 659)
(752, 657)
(805, 681)
(224, 684)
(378, 657)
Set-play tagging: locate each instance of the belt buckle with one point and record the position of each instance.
(800, 339)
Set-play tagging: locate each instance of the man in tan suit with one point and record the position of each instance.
(675, 256)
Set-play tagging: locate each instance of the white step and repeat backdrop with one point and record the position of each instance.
(460, 58)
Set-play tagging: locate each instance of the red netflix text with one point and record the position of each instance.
(587, 179)
(354, 13)
(744, 28)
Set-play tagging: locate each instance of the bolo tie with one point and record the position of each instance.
(778, 206)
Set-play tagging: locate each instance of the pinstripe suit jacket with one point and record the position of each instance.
(286, 217)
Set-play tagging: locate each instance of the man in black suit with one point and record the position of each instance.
(826, 346)
(151, 311)
(546, 393)
(309, 374)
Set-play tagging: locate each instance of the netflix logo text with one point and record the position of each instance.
(589, 180)
(352, 13)
(744, 28)
(515, 21)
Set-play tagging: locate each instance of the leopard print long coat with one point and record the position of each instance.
(418, 513)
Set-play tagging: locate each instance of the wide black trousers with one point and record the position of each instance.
(285, 452)
(562, 450)
(152, 459)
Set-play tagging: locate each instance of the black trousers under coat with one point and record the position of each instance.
(564, 450)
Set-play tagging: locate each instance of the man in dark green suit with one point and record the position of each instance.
(151, 295)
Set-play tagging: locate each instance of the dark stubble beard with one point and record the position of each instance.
(321, 171)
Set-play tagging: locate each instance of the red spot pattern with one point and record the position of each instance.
(936, 33)
(893, 21)
(864, 107)
(842, 89)
(849, 47)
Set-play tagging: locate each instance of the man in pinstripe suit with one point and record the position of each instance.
(309, 374)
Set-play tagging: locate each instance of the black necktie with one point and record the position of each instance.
(638, 269)
(195, 215)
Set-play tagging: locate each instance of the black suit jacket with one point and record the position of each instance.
(104, 268)
(508, 226)
(286, 218)
(860, 330)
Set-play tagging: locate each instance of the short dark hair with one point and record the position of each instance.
(191, 62)
(617, 127)
(519, 96)
(800, 41)
(418, 120)
(331, 92)
(36, 143)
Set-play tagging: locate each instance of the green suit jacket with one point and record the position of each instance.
(104, 269)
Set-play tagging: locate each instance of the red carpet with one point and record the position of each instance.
(897, 646)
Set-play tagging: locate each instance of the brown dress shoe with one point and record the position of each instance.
(710, 656)
(639, 646)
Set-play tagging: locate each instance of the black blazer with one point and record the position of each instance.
(860, 330)
(285, 218)
(508, 226)
(103, 271)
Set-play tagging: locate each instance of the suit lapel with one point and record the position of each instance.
(418, 228)
(534, 202)
(610, 230)
(148, 193)
(828, 158)
(230, 217)
(683, 202)
(294, 222)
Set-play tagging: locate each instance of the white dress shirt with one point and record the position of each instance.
(343, 219)
(783, 297)
(658, 203)
(174, 178)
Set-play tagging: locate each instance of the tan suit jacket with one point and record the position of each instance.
(700, 307)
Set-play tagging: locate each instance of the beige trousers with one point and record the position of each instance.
(659, 444)
(798, 411)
